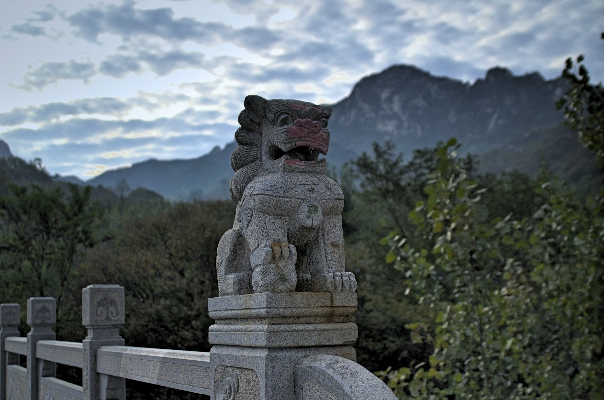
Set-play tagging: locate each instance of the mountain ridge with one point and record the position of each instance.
(406, 103)
(407, 106)
(5, 150)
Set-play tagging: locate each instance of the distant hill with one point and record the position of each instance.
(4, 150)
(15, 170)
(69, 179)
(510, 121)
(205, 177)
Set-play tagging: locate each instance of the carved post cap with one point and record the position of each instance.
(10, 315)
(41, 311)
(103, 306)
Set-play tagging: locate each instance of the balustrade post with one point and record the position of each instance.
(41, 316)
(103, 313)
(9, 324)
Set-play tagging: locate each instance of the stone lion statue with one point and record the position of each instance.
(287, 235)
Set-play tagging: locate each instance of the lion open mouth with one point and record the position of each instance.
(300, 153)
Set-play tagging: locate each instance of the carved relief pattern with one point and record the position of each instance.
(43, 313)
(227, 386)
(9, 316)
(106, 306)
(232, 383)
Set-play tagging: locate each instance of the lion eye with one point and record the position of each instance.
(284, 119)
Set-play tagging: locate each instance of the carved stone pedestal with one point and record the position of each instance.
(259, 338)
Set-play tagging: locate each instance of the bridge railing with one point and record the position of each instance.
(285, 346)
(102, 356)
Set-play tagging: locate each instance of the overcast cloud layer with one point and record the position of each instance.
(90, 87)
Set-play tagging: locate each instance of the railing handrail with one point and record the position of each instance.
(16, 344)
(66, 353)
(178, 369)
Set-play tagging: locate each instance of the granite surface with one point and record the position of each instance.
(287, 235)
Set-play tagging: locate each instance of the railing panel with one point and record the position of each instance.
(53, 388)
(184, 370)
(17, 345)
(16, 383)
(67, 353)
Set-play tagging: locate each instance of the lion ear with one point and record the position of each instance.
(255, 103)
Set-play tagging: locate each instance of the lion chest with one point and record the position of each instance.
(288, 194)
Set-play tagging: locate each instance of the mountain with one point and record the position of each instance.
(205, 177)
(414, 109)
(69, 179)
(4, 150)
(509, 121)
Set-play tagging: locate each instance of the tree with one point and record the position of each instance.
(517, 304)
(384, 310)
(387, 183)
(584, 106)
(166, 263)
(18, 171)
(42, 232)
(122, 188)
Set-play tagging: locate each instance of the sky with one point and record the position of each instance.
(92, 86)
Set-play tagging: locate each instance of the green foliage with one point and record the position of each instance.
(42, 232)
(584, 106)
(371, 194)
(142, 194)
(122, 211)
(18, 171)
(517, 304)
(391, 186)
(166, 263)
(385, 312)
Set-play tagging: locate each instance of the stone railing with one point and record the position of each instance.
(265, 346)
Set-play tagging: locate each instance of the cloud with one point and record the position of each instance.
(77, 143)
(28, 29)
(119, 65)
(51, 111)
(48, 14)
(52, 72)
(160, 62)
(94, 130)
(45, 15)
(126, 21)
(84, 108)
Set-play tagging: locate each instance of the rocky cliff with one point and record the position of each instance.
(504, 117)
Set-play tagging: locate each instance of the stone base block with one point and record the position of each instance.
(259, 338)
(284, 336)
(260, 373)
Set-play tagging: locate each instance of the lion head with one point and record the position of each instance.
(275, 133)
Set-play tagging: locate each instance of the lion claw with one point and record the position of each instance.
(274, 268)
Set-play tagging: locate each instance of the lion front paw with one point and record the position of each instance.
(274, 268)
(344, 282)
(335, 282)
